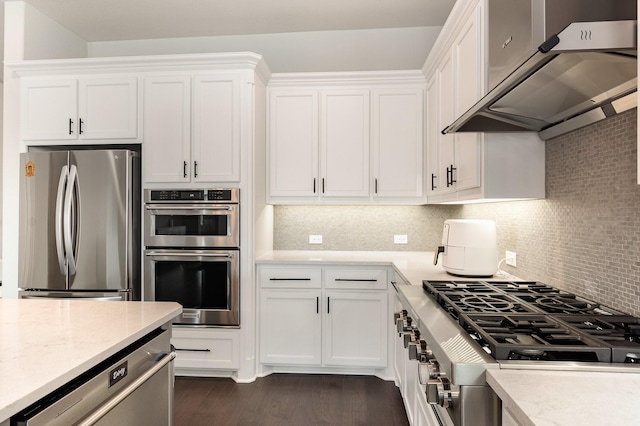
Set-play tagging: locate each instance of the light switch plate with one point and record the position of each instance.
(510, 258)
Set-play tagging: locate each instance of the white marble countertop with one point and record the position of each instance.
(46, 343)
(568, 398)
(413, 266)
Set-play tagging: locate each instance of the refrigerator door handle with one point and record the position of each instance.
(69, 230)
(59, 202)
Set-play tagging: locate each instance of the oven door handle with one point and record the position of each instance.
(152, 207)
(187, 254)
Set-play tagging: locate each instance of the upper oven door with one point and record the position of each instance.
(192, 225)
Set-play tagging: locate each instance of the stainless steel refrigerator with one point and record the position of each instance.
(80, 224)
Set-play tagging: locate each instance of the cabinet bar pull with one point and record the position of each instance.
(328, 305)
(184, 169)
(80, 124)
(289, 279)
(433, 184)
(323, 185)
(317, 304)
(70, 126)
(193, 350)
(314, 185)
(375, 186)
(369, 280)
(195, 169)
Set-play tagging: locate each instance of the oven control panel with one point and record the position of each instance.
(216, 195)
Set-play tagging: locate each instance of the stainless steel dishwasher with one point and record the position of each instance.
(133, 387)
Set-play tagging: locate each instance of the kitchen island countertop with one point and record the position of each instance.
(46, 343)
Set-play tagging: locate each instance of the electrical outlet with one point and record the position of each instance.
(400, 239)
(510, 258)
(315, 239)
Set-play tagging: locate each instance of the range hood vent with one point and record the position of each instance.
(584, 73)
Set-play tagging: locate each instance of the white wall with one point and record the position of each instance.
(355, 50)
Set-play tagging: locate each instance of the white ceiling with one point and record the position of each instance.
(108, 20)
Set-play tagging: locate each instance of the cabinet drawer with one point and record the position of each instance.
(290, 277)
(356, 279)
(206, 349)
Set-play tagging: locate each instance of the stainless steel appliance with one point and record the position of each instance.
(192, 218)
(133, 387)
(80, 224)
(459, 329)
(192, 254)
(555, 66)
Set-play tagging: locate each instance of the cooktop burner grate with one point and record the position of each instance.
(482, 303)
(621, 332)
(532, 337)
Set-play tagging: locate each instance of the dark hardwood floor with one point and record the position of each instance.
(289, 400)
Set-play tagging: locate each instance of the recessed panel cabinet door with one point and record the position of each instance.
(48, 109)
(293, 139)
(216, 128)
(355, 329)
(290, 327)
(397, 142)
(167, 129)
(108, 108)
(344, 143)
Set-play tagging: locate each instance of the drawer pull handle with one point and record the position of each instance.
(289, 279)
(367, 280)
(193, 350)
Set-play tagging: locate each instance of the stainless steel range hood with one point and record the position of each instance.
(555, 66)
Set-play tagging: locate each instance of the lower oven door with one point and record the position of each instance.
(205, 282)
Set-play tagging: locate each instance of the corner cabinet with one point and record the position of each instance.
(192, 128)
(464, 167)
(338, 143)
(326, 317)
(78, 109)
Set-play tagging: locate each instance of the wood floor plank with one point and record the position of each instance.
(289, 400)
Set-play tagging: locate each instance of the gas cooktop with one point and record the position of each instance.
(534, 321)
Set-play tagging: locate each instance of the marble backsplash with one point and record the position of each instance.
(584, 237)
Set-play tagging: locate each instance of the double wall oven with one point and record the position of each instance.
(192, 253)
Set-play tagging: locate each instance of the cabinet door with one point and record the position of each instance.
(344, 143)
(48, 109)
(167, 129)
(355, 329)
(467, 52)
(397, 142)
(216, 128)
(290, 327)
(293, 143)
(446, 143)
(108, 108)
(435, 180)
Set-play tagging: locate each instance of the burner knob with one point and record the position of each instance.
(402, 321)
(433, 369)
(412, 336)
(441, 392)
(422, 352)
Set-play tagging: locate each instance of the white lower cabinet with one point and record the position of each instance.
(201, 349)
(323, 317)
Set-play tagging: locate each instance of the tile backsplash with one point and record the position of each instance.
(584, 237)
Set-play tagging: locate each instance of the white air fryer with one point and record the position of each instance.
(469, 248)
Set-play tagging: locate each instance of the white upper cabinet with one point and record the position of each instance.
(79, 109)
(473, 166)
(293, 136)
(337, 143)
(192, 128)
(344, 143)
(397, 142)
(167, 129)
